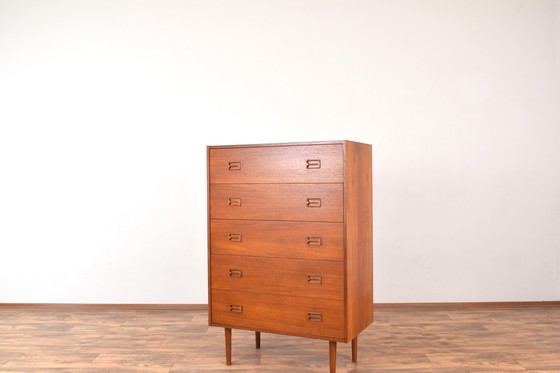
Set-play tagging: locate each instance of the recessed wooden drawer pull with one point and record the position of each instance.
(314, 316)
(236, 273)
(313, 164)
(234, 166)
(314, 202)
(314, 279)
(314, 241)
(236, 308)
(235, 237)
(234, 201)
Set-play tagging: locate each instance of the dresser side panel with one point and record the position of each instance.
(358, 201)
(208, 232)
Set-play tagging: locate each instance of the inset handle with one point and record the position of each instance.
(314, 202)
(236, 308)
(236, 273)
(235, 237)
(314, 279)
(313, 164)
(315, 316)
(314, 241)
(234, 166)
(234, 201)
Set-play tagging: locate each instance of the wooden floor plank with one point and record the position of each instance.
(175, 341)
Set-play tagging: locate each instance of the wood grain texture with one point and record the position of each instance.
(276, 144)
(278, 239)
(277, 202)
(208, 230)
(359, 240)
(278, 314)
(278, 276)
(268, 185)
(174, 341)
(276, 164)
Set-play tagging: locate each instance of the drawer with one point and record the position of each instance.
(299, 202)
(295, 277)
(285, 239)
(318, 318)
(292, 164)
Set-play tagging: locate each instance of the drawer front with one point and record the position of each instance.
(299, 240)
(319, 318)
(295, 277)
(300, 202)
(288, 164)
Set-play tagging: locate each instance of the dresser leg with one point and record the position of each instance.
(228, 345)
(332, 356)
(355, 349)
(258, 339)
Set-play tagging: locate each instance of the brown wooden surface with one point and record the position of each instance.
(358, 225)
(277, 313)
(208, 230)
(276, 144)
(257, 339)
(303, 183)
(278, 276)
(276, 164)
(278, 239)
(332, 357)
(228, 333)
(173, 341)
(277, 202)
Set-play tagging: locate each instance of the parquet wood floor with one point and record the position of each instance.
(458, 340)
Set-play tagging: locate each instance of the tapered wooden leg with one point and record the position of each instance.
(332, 356)
(228, 346)
(258, 339)
(355, 349)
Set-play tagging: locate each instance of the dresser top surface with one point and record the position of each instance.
(336, 142)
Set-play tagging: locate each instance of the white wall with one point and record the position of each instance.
(106, 108)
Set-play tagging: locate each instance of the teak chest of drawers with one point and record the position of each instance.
(290, 240)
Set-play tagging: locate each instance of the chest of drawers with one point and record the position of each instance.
(290, 240)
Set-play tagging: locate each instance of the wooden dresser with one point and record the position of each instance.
(290, 240)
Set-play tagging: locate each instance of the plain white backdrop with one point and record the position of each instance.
(106, 108)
